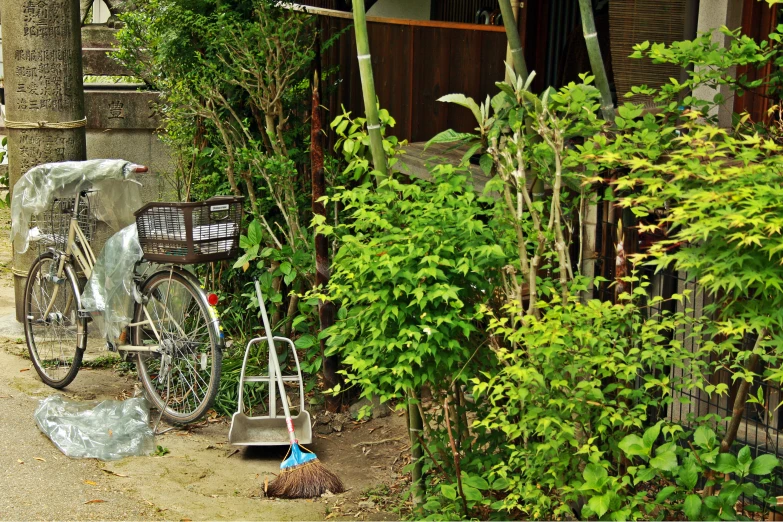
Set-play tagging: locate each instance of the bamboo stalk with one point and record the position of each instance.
(368, 86)
(588, 238)
(596, 61)
(620, 262)
(514, 41)
(415, 426)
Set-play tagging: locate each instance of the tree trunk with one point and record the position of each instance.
(368, 86)
(738, 411)
(326, 313)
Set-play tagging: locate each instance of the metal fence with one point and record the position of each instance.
(761, 428)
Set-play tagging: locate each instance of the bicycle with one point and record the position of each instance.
(174, 334)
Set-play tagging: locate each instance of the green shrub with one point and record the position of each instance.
(416, 262)
(585, 376)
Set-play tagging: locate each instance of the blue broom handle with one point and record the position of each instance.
(271, 341)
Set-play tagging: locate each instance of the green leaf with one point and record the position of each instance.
(764, 465)
(600, 503)
(486, 163)
(692, 507)
(726, 463)
(713, 502)
(664, 494)
(450, 136)
(448, 491)
(285, 267)
(633, 445)
(665, 461)
(688, 475)
(500, 484)
(651, 434)
(704, 437)
(305, 341)
(470, 152)
(594, 475)
(464, 101)
(472, 493)
(645, 475)
(743, 457)
(241, 261)
(476, 482)
(254, 234)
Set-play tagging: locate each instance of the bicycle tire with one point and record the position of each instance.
(62, 324)
(172, 297)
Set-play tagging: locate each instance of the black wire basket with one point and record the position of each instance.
(51, 227)
(189, 233)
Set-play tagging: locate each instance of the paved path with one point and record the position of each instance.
(39, 482)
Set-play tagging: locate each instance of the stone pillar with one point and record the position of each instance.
(43, 92)
(712, 15)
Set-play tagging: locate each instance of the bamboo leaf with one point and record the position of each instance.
(450, 136)
(470, 152)
(463, 101)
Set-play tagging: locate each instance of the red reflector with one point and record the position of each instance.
(212, 299)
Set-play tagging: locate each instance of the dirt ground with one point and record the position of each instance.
(202, 477)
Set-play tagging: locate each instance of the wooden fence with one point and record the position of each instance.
(415, 63)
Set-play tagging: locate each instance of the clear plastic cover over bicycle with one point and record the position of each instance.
(115, 195)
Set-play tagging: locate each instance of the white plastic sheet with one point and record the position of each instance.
(116, 197)
(108, 430)
(109, 293)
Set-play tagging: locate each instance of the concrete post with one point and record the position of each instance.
(44, 94)
(712, 15)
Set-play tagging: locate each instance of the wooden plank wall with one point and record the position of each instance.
(414, 65)
(758, 21)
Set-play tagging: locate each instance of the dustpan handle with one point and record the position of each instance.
(240, 391)
(271, 341)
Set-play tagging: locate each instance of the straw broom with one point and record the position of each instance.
(301, 474)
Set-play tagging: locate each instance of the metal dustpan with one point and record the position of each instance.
(269, 430)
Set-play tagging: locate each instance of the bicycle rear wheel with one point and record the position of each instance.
(182, 379)
(52, 326)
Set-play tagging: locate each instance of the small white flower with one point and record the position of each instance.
(427, 330)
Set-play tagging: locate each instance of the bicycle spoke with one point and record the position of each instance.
(184, 327)
(52, 338)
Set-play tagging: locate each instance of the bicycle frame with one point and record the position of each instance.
(84, 256)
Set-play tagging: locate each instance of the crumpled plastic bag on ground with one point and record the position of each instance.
(109, 430)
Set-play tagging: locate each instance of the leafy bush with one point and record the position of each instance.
(416, 262)
(585, 376)
(674, 470)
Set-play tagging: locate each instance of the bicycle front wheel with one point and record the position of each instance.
(181, 379)
(52, 327)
